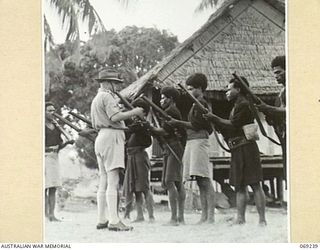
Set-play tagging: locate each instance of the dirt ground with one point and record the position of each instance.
(78, 211)
(79, 222)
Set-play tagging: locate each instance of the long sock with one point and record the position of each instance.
(102, 207)
(112, 207)
(112, 196)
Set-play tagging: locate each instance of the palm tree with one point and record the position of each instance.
(71, 13)
(206, 4)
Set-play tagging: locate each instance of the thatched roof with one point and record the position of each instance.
(241, 36)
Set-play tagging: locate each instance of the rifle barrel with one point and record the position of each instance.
(156, 108)
(194, 100)
(67, 122)
(247, 89)
(82, 118)
(127, 104)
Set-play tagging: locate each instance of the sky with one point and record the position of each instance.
(176, 16)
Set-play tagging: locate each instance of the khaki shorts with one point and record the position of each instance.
(109, 149)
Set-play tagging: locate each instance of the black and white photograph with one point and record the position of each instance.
(165, 121)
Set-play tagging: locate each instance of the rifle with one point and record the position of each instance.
(253, 99)
(160, 139)
(156, 108)
(161, 112)
(204, 110)
(82, 118)
(90, 137)
(247, 90)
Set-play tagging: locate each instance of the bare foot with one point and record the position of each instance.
(171, 223)
(181, 221)
(201, 221)
(262, 223)
(237, 222)
(138, 220)
(152, 219)
(210, 221)
(52, 218)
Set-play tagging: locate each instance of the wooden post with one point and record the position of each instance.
(280, 188)
(271, 182)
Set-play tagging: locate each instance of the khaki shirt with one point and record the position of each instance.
(103, 107)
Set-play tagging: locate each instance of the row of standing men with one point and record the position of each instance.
(186, 152)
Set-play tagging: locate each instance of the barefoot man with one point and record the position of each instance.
(245, 157)
(196, 155)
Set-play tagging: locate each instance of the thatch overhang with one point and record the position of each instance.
(241, 36)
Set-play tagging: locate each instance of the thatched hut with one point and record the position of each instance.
(242, 36)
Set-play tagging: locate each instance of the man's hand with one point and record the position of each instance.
(209, 116)
(70, 142)
(87, 131)
(66, 143)
(138, 111)
(173, 122)
(263, 107)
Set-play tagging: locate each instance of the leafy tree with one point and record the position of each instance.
(133, 51)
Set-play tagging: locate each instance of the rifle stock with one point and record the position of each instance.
(247, 90)
(72, 126)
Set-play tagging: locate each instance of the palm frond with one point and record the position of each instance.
(206, 4)
(48, 37)
(89, 14)
(66, 9)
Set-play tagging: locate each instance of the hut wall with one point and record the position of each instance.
(244, 39)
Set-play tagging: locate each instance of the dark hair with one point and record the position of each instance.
(279, 61)
(49, 104)
(237, 84)
(198, 80)
(170, 92)
(142, 104)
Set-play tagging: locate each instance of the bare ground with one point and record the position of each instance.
(79, 222)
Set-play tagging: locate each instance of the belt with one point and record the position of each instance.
(134, 150)
(115, 128)
(51, 150)
(237, 142)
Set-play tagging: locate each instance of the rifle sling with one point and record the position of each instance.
(256, 116)
(218, 140)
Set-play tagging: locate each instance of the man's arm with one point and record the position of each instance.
(273, 110)
(218, 120)
(180, 123)
(120, 116)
